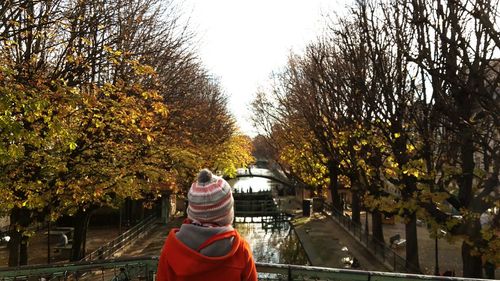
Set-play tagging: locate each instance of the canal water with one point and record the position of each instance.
(271, 241)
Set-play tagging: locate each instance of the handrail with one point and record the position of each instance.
(144, 268)
(137, 231)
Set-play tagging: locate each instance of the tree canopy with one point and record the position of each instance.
(399, 102)
(102, 101)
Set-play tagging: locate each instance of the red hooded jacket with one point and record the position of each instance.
(178, 262)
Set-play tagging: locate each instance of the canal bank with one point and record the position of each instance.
(325, 242)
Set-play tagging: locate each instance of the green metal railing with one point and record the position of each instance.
(144, 268)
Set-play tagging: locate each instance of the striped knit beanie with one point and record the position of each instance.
(210, 200)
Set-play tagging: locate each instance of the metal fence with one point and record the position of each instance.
(126, 238)
(144, 268)
(378, 248)
(109, 270)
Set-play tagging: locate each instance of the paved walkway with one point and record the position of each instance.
(314, 234)
(96, 236)
(449, 252)
(323, 240)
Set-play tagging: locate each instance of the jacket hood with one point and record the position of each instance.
(193, 236)
(187, 261)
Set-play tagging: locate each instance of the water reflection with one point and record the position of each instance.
(272, 242)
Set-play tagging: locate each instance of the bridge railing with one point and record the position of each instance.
(144, 268)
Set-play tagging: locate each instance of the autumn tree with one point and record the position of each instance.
(386, 39)
(262, 149)
(455, 49)
(234, 153)
(113, 67)
(297, 152)
(403, 96)
(36, 138)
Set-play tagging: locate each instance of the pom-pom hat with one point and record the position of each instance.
(210, 200)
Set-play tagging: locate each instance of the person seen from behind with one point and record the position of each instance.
(206, 246)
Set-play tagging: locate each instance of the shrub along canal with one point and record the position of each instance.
(272, 239)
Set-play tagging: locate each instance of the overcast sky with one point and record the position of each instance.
(242, 41)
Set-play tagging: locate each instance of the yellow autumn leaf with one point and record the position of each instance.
(410, 147)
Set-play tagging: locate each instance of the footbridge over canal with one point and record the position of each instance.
(264, 173)
(258, 202)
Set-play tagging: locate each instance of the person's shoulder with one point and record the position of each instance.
(171, 236)
(172, 232)
(243, 243)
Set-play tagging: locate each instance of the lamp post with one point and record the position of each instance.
(48, 241)
(366, 221)
(436, 256)
(49, 228)
(442, 233)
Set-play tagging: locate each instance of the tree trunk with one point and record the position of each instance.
(412, 262)
(23, 250)
(472, 263)
(377, 227)
(356, 206)
(14, 248)
(334, 185)
(81, 223)
(20, 218)
(128, 211)
(467, 165)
